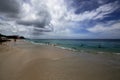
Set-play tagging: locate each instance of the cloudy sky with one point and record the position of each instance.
(60, 18)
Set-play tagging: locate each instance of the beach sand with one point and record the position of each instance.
(26, 61)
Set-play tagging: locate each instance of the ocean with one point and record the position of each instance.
(86, 45)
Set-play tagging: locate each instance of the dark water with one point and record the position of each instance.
(101, 45)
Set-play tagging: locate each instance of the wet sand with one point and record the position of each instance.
(26, 61)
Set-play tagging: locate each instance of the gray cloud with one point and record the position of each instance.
(41, 24)
(41, 21)
(35, 23)
(9, 8)
(16, 12)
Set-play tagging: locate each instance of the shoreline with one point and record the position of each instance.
(26, 61)
(79, 51)
(53, 45)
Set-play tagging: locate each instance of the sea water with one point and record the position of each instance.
(100, 45)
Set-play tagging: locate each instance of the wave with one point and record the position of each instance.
(75, 47)
(55, 45)
(36, 43)
(66, 48)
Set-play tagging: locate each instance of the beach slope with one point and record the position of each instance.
(23, 60)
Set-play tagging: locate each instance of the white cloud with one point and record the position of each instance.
(57, 14)
(63, 19)
(98, 13)
(105, 28)
(108, 30)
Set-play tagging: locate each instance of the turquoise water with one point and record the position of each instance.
(102, 45)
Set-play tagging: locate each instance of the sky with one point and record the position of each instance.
(61, 19)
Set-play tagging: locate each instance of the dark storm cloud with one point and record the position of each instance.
(40, 31)
(10, 8)
(35, 23)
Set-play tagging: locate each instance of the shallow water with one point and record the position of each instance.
(102, 45)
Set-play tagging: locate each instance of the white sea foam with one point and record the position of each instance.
(36, 43)
(117, 53)
(65, 48)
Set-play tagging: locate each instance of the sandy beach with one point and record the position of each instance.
(23, 60)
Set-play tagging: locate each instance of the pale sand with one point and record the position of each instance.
(25, 61)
